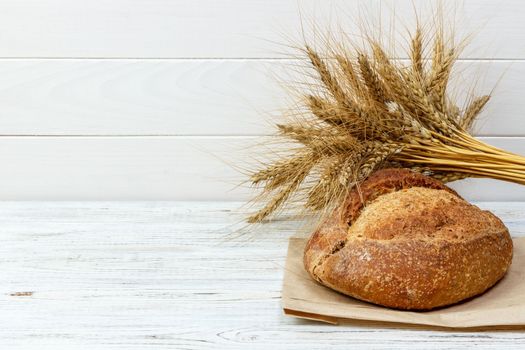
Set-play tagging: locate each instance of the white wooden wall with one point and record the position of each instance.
(156, 99)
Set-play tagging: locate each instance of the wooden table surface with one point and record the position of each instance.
(173, 275)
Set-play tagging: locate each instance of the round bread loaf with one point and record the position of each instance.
(407, 241)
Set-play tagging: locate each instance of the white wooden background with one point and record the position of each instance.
(156, 99)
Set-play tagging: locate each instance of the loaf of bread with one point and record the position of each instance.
(407, 241)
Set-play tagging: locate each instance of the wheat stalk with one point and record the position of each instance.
(367, 112)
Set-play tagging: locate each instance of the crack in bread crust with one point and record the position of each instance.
(380, 183)
(387, 181)
(412, 243)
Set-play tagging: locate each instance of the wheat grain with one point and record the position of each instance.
(472, 111)
(277, 201)
(372, 81)
(329, 81)
(416, 54)
(350, 76)
(373, 114)
(450, 176)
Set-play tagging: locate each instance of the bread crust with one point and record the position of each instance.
(407, 241)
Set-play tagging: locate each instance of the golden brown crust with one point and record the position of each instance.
(386, 181)
(416, 245)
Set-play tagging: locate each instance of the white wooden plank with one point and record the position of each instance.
(136, 97)
(234, 28)
(160, 168)
(126, 168)
(196, 97)
(160, 275)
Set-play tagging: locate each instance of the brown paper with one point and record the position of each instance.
(502, 305)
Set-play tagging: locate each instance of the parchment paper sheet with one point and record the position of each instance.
(502, 305)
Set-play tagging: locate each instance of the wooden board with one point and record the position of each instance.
(165, 168)
(230, 29)
(198, 97)
(162, 275)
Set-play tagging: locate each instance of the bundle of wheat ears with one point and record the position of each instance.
(369, 111)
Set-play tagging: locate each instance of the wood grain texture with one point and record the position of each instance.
(162, 168)
(225, 29)
(197, 97)
(155, 99)
(137, 97)
(164, 275)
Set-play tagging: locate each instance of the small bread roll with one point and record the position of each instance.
(407, 241)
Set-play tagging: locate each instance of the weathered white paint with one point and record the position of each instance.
(171, 275)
